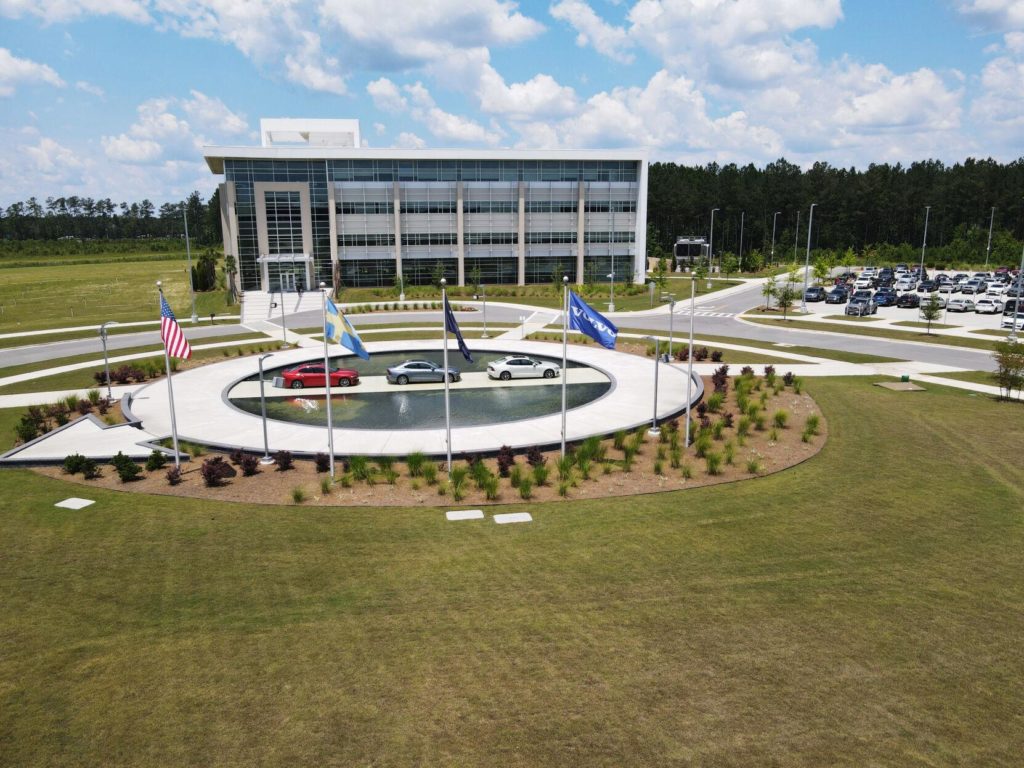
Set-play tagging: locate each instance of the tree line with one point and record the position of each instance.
(880, 208)
(85, 218)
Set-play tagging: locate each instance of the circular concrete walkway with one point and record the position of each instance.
(205, 416)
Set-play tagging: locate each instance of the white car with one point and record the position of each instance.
(947, 287)
(519, 367)
(996, 289)
(960, 304)
(907, 284)
(988, 305)
(862, 282)
(1009, 320)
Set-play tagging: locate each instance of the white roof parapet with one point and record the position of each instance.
(309, 132)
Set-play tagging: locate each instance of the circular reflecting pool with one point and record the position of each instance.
(374, 404)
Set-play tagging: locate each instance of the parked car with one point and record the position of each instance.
(960, 304)
(974, 286)
(860, 306)
(948, 287)
(885, 297)
(987, 305)
(419, 371)
(814, 294)
(927, 286)
(996, 289)
(836, 296)
(1010, 307)
(1010, 320)
(519, 367)
(863, 282)
(908, 301)
(906, 284)
(312, 375)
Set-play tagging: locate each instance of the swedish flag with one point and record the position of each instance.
(338, 330)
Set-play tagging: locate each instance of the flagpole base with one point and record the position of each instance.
(654, 431)
(267, 460)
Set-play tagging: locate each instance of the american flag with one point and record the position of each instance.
(174, 340)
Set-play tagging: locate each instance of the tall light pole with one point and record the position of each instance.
(807, 259)
(775, 217)
(671, 317)
(711, 241)
(188, 253)
(1020, 298)
(401, 287)
(988, 248)
(657, 362)
(611, 291)
(689, 367)
(267, 458)
(106, 361)
(924, 240)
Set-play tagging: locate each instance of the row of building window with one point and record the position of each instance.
(432, 170)
(609, 237)
(486, 206)
(481, 238)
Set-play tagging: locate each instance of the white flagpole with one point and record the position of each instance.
(565, 344)
(170, 388)
(444, 344)
(689, 366)
(327, 380)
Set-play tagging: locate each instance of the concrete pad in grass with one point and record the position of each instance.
(74, 503)
(465, 514)
(513, 517)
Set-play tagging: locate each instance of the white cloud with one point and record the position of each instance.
(379, 128)
(386, 96)
(126, 149)
(52, 11)
(994, 15)
(408, 140)
(15, 71)
(211, 113)
(92, 90)
(919, 99)
(591, 29)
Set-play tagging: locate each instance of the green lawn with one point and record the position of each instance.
(881, 333)
(920, 324)
(39, 297)
(829, 615)
(828, 354)
(976, 377)
(853, 318)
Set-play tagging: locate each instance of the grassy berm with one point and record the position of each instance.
(864, 608)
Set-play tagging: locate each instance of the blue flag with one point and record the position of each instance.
(452, 327)
(586, 319)
(339, 330)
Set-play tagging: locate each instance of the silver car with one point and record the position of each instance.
(419, 371)
(960, 304)
(519, 367)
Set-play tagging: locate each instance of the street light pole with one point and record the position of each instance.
(988, 248)
(671, 317)
(657, 361)
(743, 216)
(689, 367)
(106, 362)
(924, 241)
(711, 241)
(611, 292)
(807, 260)
(796, 237)
(188, 253)
(267, 458)
(775, 218)
(401, 288)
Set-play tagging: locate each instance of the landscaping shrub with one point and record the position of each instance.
(811, 425)
(540, 474)
(157, 460)
(384, 463)
(535, 457)
(788, 378)
(584, 465)
(759, 423)
(506, 460)
(346, 481)
(798, 385)
(284, 461)
(215, 471)
(323, 462)
(83, 407)
(727, 419)
(93, 395)
(390, 476)
(686, 471)
(754, 467)
(753, 410)
(714, 463)
(659, 468)
(458, 474)
(480, 473)
(715, 401)
(414, 462)
(298, 495)
(701, 445)
(89, 469)
(73, 464)
(429, 472)
(563, 489)
(746, 371)
(619, 440)
(702, 408)
(729, 452)
(173, 476)
(236, 456)
(526, 488)
(780, 418)
(773, 435)
(250, 465)
(769, 375)
(127, 470)
(701, 354)
(717, 429)
(515, 476)
(716, 356)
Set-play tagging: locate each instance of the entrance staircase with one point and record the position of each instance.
(257, 305)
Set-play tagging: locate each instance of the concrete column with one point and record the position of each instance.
(397, 202)
(580, 230)
(521, 229)
(332, 208)
(460, 240)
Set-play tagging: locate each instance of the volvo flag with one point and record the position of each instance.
(452, 327)
(338, 330)
(586, 319)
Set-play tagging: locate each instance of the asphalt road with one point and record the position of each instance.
(703, 324)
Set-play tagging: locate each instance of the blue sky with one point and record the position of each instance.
(115, 98)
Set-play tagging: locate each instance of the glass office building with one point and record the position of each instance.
(311, 205)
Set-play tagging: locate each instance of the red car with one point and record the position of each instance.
(312, 375)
